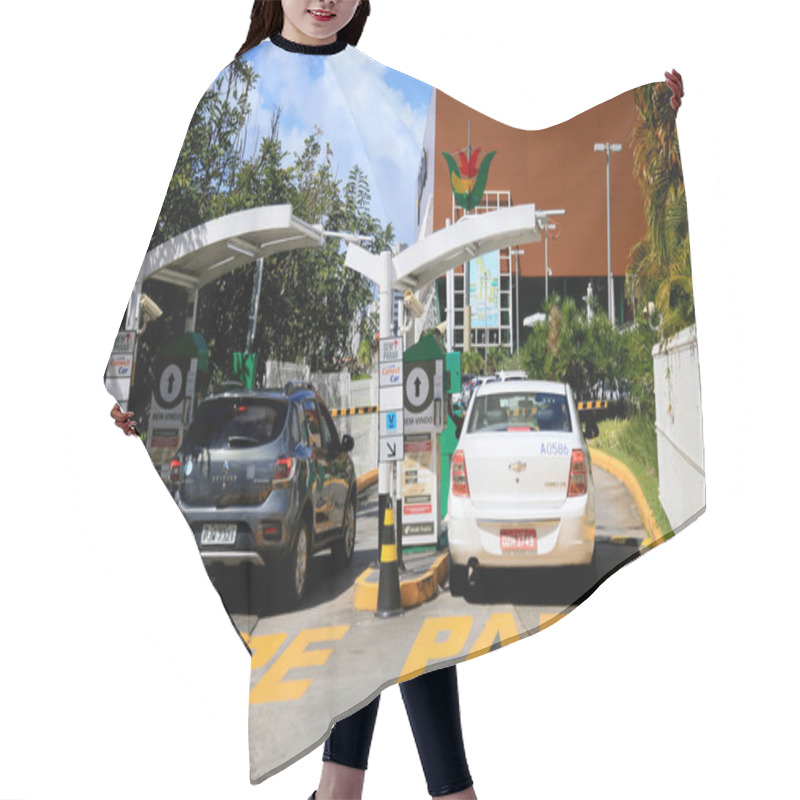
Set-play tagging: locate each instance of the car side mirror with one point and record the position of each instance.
(348, 443)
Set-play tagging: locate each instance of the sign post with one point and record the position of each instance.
(390, 445)
(119, 371)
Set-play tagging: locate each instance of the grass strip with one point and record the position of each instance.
(624, 440)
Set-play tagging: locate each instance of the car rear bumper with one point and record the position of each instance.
(564, 538)
(233, 558)
(263, 533)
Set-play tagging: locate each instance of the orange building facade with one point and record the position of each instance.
(555, 168)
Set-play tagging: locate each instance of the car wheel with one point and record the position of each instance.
(458, 580)
(342, 549)
(295, 570)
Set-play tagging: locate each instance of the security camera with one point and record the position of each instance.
(412, 304)
(442, 327)
(149, 311)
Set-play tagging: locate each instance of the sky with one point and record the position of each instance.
(370, 115)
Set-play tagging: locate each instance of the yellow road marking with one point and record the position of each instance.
(546, 620)
(427, 648)
(498, 627)
(273, 688)
(264, 648)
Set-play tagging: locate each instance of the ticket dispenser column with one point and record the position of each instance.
(424, 417)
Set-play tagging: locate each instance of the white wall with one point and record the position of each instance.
(679, 428)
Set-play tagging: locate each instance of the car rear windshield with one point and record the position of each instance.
(237, 423)
(520, 412)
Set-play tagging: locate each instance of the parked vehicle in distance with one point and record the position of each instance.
(512, 375)
(263, 478)
(472, 386)
(521, 488)
(466, 377)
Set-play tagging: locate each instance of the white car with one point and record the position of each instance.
(521, 487)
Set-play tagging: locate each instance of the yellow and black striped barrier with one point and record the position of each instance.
(389, 601)
(353, 412)
(592, 405)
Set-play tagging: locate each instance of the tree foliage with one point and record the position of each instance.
(597, 360)
(311, 307)
(660, 263)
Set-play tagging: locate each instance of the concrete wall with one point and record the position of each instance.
(679, 429)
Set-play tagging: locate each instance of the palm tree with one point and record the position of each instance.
(660, 263)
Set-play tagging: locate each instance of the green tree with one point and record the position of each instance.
(472, 363)
(597, 360)
(311, 307)
(660, 263)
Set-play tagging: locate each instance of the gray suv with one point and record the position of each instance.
(262, 477)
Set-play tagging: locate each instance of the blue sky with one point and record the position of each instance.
(370, 115)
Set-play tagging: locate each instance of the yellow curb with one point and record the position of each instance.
(623, 472)
(366, 480)
(413, 591)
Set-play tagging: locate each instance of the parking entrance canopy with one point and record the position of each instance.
(201, 255)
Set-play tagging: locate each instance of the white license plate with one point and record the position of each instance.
(511, 540)
(218, 533)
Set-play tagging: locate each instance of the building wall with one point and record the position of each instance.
(553, 168)
(679, 428)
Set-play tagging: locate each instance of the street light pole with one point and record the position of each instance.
(517, 254)
(608, 149)
(543, 219)
(546, 261)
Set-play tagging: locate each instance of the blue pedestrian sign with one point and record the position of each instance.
(391, 423)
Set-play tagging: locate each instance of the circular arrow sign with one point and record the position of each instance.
(419, 389)
(169, 388)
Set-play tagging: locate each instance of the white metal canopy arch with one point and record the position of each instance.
(472, 236)
(205, 253)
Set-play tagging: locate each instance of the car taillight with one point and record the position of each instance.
(460, 480)
(577, 474)
(175, 469)
(284, 470)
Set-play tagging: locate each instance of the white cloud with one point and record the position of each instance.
(365, 121)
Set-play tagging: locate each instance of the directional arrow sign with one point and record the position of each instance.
(170, 385)
(391, 448)
(419, 387)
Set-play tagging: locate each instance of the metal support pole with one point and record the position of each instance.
(516, 256)
(546, 259)
(611, 315)
(398, 465)
(389, 603)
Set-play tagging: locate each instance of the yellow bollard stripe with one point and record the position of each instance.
(388, 553)
(388, 517)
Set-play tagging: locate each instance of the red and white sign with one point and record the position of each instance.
(391, 374)
(420, 490)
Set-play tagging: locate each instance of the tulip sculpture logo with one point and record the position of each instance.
(467, 179)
